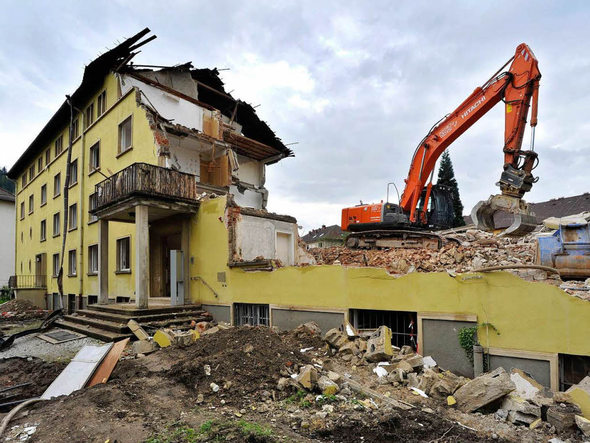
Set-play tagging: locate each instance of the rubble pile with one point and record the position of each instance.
(20, 310)
(468, 251)
(513, 397)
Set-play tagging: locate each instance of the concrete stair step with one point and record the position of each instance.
(123, 317)
(99, 323)
(131, 312)
(90, 331)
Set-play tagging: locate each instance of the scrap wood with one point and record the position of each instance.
(103, 372)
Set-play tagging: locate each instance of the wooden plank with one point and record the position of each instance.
(103, 372)
(138, 330)
(76, 374)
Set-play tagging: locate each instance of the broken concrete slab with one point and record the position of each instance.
(307, 377)
(413, 380)
(520, 411)
(583, 424)
(137, 330)
(483, 390)
(580, 396)
(397, 375)
(163, 338)
(414, 360)
(379, 345)
(143, 347)
(562, 416)
(327, 386)
(336, 338)
(310, 328)
(350, 330)
(349, 348)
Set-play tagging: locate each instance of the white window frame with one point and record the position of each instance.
(129, 145)
(44, 194)
(94, 160)
(121, 254)
(93, 259)
(56, 226)
(72, 263)
(73, 217)
(55, 264)
(101, 103)
(73, 172)
(31, 203)
(92, 205)
(57, 185)
(43, 230)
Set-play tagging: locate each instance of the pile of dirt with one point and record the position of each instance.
(20, 310)
(238, 364)
(15, 371)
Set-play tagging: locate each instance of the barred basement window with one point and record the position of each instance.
(403, 325)
(251, 314)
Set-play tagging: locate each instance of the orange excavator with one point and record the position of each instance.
(424, 207)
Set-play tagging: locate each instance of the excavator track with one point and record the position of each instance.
(396, 238)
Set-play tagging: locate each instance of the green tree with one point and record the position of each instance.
(446, 176)
(5, 182)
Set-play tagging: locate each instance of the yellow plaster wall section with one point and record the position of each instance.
(528, 316)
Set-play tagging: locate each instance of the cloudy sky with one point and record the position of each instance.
(356, 84)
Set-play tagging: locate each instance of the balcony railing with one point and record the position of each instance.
(28, 282)
(145, 180)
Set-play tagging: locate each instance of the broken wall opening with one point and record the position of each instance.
(403, 324)
(251, 314)
(572, 369)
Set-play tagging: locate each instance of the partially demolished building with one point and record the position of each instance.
(167, 198)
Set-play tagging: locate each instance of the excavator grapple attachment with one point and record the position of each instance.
(523, 222)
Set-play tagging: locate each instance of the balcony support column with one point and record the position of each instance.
(103, 262)
(142, 255)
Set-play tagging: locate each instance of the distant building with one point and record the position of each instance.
(556, 207)
(324, 237)
(7, 221)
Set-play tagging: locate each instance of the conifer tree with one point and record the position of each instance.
(5, 182)
(446, 176)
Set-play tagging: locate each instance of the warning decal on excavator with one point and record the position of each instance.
(508, 108)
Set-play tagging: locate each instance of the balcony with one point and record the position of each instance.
(144, 184)
(28, 282)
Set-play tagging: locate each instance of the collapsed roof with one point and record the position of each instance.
(210, 91)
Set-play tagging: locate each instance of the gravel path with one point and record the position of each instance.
(31, 346)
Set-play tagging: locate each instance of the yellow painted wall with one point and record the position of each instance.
(105, 130)
(529, 316)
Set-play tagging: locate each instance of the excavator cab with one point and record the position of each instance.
(440, 213)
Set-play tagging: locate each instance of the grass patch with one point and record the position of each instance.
(215, 431)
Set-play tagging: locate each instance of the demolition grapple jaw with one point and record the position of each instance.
(498, 209)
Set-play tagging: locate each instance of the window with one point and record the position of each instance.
(24, 180)
(92, 201)
(31, 203)
(89, 116)
(22, 210)
(123, 256)
(55, 265)
(251, 314)
(57, 185)
(56, 228)
(73, 217)
(43, 230)
(72, 262)
(403, 324)
(73, 172)
(59, 144)
(31, 173)
(95, 156)
(43, 194)
(93, 259)
(101, 103)
(40, 164)
(47, 156)
(75, 129)
(125, 135)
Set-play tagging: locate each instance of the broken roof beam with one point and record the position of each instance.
(249, 147)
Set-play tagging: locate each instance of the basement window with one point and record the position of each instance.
(572, 369)
(251, 314)
(403, 324)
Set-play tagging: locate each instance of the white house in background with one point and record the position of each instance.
(7, 222)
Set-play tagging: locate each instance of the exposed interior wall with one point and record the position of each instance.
(441, 341)
(497, 298)
(258, 237)
(7, 216)
(247, 198)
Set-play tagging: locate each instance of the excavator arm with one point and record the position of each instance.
(517, 87)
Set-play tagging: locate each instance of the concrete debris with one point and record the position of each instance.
(483, 390)
(307, 377)
(143, 347)
(520, 411)
(580, 396)
(583, 424)
(379, 345)
(562, 416)
(163, 338)
(137, 330)
(336, 338)
(327, 386)
(309, 328)
(428, 362)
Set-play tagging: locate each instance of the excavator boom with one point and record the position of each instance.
(516, 87)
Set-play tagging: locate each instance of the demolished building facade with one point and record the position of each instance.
(168, 199)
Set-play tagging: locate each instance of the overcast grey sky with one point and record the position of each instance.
(356, 84)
